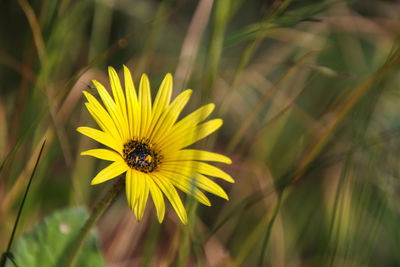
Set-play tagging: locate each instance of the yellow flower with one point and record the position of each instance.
(148, 143)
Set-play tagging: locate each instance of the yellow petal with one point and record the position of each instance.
(184, 138)
(195, 117)
(104, 154)
(113, 110)
(132, 104)
(102, 138)
(201, 182)
(143, 189)
(157, 197)
(164, 94)
(173, 197)
(101, 116)
(109, 172)
(134, 188)
(169, 117)
(184, 184)
(211, 170)
(145, 104)
(117, 91)
(193, 154)
(188, 122)
(162, 101)
(97, 118)
(209, 186)
(130, 189)
(189, 168)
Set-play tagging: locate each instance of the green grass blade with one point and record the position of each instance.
(20, 208)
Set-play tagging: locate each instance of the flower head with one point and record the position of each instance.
(146, 141)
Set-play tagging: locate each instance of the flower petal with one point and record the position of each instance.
(143, 190)
(183, 183)
(169, 117)
(189, 168)
(195, 117)
(145, 105)
(202, 182)
(113, 110)
(162, 100)
(184, 138)
(157, 197)
(109, 172)
(188, 122)
(101, 116)
(117, 92)
(104, 154)
(209, 186)
(173, 197)
(102, 138)
(132, 104)
(131, 188)
(194, 154)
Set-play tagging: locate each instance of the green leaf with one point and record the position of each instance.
(45, 244)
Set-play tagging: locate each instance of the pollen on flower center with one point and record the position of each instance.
(141, 156)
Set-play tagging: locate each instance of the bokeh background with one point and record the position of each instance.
(309, 94)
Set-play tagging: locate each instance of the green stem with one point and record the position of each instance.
(73, 250)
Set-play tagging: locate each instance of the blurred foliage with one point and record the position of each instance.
(309, 94)
(44, 245)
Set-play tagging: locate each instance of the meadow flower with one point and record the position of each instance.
(146, 141)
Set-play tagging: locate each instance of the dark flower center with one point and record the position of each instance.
(140, 155)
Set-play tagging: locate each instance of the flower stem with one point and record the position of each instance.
(72, 252)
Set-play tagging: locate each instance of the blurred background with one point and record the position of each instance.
(309, 94)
